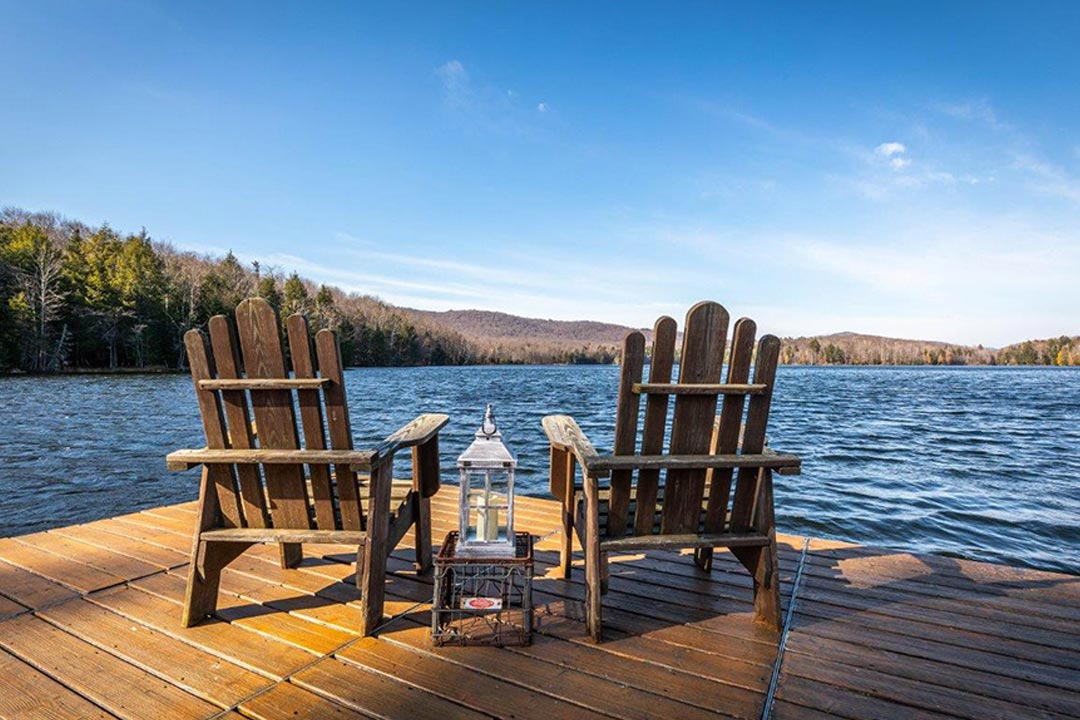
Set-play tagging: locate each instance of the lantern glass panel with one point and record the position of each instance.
(486, 507)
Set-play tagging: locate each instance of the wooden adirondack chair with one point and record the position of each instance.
(695, 507)
(238, 509)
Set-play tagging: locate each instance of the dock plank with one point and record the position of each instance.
(30, 589)
(121, 688)
(377, 695)
(28, 694)
(260, 653)
(287, 701)
(196, 671)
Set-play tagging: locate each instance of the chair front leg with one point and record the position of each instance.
(371, 575)
(425, 483)
(593, 559)
(561, 471)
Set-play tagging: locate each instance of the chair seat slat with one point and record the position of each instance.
(284, 535)
(263, 384)
(700, 388)
(690, 540)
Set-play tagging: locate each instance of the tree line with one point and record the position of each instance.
(854, 349)
(76, 297)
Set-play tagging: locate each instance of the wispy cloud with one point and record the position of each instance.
(1048, 178)
(973, 110)
(457, 86)
(888, 149)
(486, 106)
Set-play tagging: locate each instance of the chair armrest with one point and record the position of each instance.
(186, 459)
(771, 460)
(563, 433)
(788, 470)
(418, 432)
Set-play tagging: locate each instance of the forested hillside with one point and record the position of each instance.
(78, 297)
(855, 349)
(1062, 350)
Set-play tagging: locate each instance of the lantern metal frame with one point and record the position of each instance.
(489, 461)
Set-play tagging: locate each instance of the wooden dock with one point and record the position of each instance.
(90, 627)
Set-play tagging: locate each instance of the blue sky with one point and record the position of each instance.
(908, 169)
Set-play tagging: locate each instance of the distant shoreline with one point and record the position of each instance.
(173, 371)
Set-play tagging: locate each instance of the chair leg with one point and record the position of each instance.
(204, 578)
(422, 533)
(291, 555)
(562, 485)
(566, 551)
(703, 558)
(593, 561)
(371, 558)
(762, 564)
(767, 575)
(425, 463)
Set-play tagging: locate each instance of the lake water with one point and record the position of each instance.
(981, 463)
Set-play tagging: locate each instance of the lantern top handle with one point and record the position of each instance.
(487, 449)
(488, 429)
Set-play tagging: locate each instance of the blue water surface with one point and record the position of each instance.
(981, 463)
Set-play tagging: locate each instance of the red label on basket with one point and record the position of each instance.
(481, 603)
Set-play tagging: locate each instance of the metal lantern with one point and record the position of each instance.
(486, 500)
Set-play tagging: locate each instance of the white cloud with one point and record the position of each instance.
(888, 149)
(542, 107)
(899, 163)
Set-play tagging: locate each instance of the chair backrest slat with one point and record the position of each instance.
(201, 363)
(748, 489)
(626, 424)
(227, 358)
(311, 417)
(338, 424)
(275, 418)
(702, 359)
(726, 438)
(656, 411)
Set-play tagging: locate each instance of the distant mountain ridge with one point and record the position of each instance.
(522, 339)
(501, 337)
(490, 324)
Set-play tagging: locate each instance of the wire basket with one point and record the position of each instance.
(483, 600)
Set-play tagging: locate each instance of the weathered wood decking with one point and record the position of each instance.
(91, 628)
